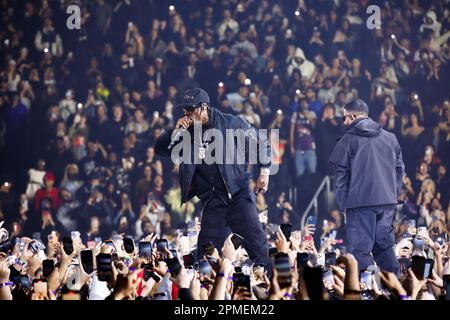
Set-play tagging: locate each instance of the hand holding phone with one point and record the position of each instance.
(366, 281)
(375, 270)
(419, 247)
(67, 245)
(87, 261)
(184, 245)
(422, 233)
(25, 281)
(312, 220)
(75, 235)
(174, 266)
(418, 266)
(330, 259)
(282, 265)
(286, 228)
(263, 216)
(189, 260)
(302, 259)
(128, 244)
(313, 278)
(149, 273)
(237, 241)
(332, 235)
(204, 268)
(161, 246)
(446, 281)
(47, 267)
(145, 249)
(104, 267)
(111, 244)
(328, 280)
(241, 280)
(208, 249)
(258, 272)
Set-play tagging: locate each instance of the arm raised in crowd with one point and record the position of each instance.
(5, 284)
(352, 290)
(220, 283)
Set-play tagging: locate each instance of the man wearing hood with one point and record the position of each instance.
(430, 22)
(433, 27)
(368, 179)
(299, 61)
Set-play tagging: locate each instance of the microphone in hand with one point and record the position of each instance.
(182, 125)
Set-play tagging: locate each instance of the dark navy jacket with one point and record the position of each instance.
(368, 166)
(235, 176)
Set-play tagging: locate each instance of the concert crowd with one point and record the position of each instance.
(80, 110)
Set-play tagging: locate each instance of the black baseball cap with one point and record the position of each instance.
(194, 97)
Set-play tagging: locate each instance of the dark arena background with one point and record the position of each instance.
(90, 211)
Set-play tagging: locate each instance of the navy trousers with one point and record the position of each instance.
(369, 233)
(239, 216)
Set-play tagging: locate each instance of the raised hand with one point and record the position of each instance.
(182, 279)
(228, 250)
(281, 242)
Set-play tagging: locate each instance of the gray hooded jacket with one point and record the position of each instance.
(368, 166)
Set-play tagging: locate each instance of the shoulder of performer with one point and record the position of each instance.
(230, 121)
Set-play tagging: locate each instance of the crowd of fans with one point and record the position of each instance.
(80, 110)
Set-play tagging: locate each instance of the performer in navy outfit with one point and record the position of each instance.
(228, 203)
(368, 179)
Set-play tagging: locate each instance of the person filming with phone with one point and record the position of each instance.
(368, 170)
(227, 201)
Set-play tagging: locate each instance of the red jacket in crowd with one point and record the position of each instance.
(43, 193)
